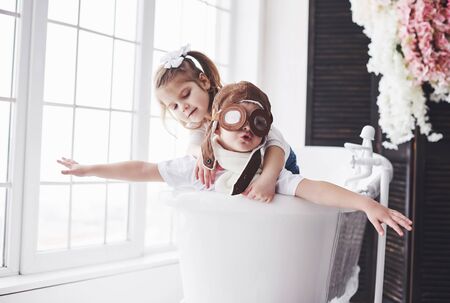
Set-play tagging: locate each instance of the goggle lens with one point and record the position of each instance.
(260, 123)
(232, 117)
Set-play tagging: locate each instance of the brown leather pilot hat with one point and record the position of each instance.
(229, 94)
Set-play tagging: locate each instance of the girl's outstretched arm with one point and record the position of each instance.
(127, 171)
(326, 193)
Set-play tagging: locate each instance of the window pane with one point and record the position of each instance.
(193, 29)
(162, 144)
(210, 25)
(60, 64)
(63, 10)
(91, 137)
(126, 13)
(117, 223)
(223, 37)
(88, 215)
(98, 15)
(120, 137)
(94, 70)
(8, 5)
(158, 217)
(226, 4)
(154, 104)
(123, 79)
(6, 54)
(224, 74)
(4, 139)
(2, 223)
(181, 143)
(56, 141)
(167, 24)
(53, 217)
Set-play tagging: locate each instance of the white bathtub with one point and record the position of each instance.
(236, 250)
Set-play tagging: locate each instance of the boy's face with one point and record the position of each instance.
(242, 140)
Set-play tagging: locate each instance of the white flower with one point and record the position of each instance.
(401, 102)
(175, 58)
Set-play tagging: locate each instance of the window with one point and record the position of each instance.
(81, 88)
(84, 106)
(9, 23)
(206, 26)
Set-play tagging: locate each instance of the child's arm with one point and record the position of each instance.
(128, 170)
(206, 176)
(328, 194)
(263, 188)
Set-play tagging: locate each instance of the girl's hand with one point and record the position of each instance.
(377, 214)
(73, 167)
(206, 176)
(261, 189)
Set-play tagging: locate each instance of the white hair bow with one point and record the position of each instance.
(175, 58)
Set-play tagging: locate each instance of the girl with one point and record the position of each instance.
(187, 92)
(242, 120)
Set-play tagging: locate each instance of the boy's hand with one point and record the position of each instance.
(377, 214)
(261, 189)
(73, 167)
(206, 176)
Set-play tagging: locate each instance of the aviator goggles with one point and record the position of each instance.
(235, 116)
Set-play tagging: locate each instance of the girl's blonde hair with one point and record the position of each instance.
(191, 72)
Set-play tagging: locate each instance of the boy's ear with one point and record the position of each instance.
(204, 81)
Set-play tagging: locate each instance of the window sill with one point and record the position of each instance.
(20, 283)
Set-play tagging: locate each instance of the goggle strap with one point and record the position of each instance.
(252, 101)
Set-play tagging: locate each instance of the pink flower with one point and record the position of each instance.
(424, 33)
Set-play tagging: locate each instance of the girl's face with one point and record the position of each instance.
(187, 100)
(242, 140)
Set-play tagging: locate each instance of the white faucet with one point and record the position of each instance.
(363, 169)
(363, 162)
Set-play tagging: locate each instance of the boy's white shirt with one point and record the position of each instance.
(179, 173)
(273, 138)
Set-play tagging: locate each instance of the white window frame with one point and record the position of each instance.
(13, 216)
(33, 261)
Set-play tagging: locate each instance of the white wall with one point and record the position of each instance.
(246, 40)
(283, 65)
(159, 285)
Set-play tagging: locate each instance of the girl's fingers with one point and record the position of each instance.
(207, 179)
(196, 173)
(201, 176)
(68, 160)
(405, 224)
(249, 193)
(394, 226)
(246, 191)
(400, 215)
(63, 163)
(401, 219)
(213, 176)
(377, 226)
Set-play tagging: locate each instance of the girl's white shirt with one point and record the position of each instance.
(274, 138)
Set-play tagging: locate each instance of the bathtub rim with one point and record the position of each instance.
(202, 201)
